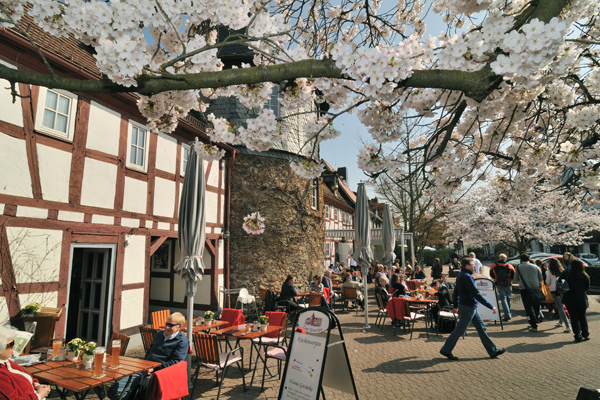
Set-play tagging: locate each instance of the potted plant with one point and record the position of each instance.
(74, 347)
(264, 322)
(30, 309)
(89, 350)
(208, 317)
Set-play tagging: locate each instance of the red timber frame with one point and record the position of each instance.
(17, 51)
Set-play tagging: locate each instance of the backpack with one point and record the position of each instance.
(502, 275)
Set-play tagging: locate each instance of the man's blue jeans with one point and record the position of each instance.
(467, 315)
(504, 294)
(117, 388)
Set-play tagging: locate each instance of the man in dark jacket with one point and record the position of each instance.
(503, 275)
(465, 300)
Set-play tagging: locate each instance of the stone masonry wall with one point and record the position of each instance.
(293, 239)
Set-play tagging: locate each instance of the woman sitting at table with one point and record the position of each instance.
(317, 287)
(288, 292)
(360, 298)
(419, 274)
(399, 289)
(15, 382)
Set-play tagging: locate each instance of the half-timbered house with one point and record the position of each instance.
(89, 200)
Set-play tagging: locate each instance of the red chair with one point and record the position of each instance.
(326, 294)
(233, 317)
(410, 285)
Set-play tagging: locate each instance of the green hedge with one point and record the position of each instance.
(429, 256)
(594, 273)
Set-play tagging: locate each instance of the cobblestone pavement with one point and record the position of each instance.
(544, 365)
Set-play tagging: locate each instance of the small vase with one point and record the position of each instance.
(263, 327)
(88, 361)
(208, 321)
(72, 356)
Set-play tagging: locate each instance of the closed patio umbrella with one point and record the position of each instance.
(192, 225)
(389, 241)
(362, 240)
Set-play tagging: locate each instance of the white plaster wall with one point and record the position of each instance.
(46, 299)
(70, 216)
(164, 197)
(166, 153)
(35, 254)
(55, 171)
(213, 177)
(2, 209)
(104, 129)
(32, 212)
(103, 219)
(132, 308)
(221, 254)
(129, 222)
(14, 169)
(165, 226)
(135, 195)
(221, 296)
(210, 209)
(203, 293)
(10, 112)
(207, 259)
(99, 184)
(135, 259)
(4, 316)
(222, 200)
(160, 289)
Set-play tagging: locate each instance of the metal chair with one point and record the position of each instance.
(207, 351)
(382, 314)
(350, 296)
(446, 313)
(124, 342)
(159, 318)
(278, 353)
(147, 336)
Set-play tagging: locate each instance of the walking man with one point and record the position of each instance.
(530, 278)
(466, 296)
(476, 262)
(503, 275)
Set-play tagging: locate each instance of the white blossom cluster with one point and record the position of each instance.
(254, 224)
(222, 131)
(307, 169)
(208, 152)
(321, 127)
(371, 160)
(298, 95)
(261, 132)
(164, 110)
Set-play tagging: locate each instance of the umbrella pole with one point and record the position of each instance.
(366, 299)
(190, 318)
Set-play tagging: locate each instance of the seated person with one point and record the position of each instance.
(382, 289)
(15, 382)
(348, 282)
(408, 272)
(381, 274)
(317, 287)
(419, 274)
(288, 292)
(455, 264)
(444, 299)
(446, 283)
(337, 268)
(399, 289)
(168, 348)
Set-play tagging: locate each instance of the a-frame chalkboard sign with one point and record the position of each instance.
(317, 358)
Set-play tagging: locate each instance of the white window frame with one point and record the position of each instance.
(327, 250)
(132, 124)
(184, 147)
(327, 211)
(314, 194)
(41, 106)
(275, 105)
(343, 217)
(335, 214)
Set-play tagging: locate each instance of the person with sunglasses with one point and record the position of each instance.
(169, 347)
(15, 382)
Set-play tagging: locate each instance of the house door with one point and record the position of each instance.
(92, 300)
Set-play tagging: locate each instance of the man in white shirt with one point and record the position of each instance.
(476, 262)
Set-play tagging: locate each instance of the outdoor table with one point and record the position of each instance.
(300, 294)
(73, 377)
(206, 327)
(243, 334)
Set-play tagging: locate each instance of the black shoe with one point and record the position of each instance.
(450, 356)
(586, 338)
(506, 318)
(578, 339)
(498, 353)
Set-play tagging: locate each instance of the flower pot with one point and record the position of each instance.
(88, 361)
(73, 356)
(263, 327)
(208, 321)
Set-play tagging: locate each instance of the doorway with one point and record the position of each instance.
(90, 297)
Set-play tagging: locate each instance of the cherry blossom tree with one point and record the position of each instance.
(488, 216)
(517, 89)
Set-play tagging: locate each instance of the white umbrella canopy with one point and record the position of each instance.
(362, 240)
(192, 226)
(388, 237)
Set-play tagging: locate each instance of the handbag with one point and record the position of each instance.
(562, 286)
(534, 295)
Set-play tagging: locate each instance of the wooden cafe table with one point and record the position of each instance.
(244, 334)
(73, 377)
(204, 327)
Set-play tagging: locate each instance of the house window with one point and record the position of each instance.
(185, 156)
(326, 211)
(56, 113)
(327, 251)
(344, 218)
(314, 194)
(137, 157)
(273, 102)
(335, 214)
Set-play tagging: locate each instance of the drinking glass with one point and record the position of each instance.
(100, 351)
(55, 348)
(116, 353)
